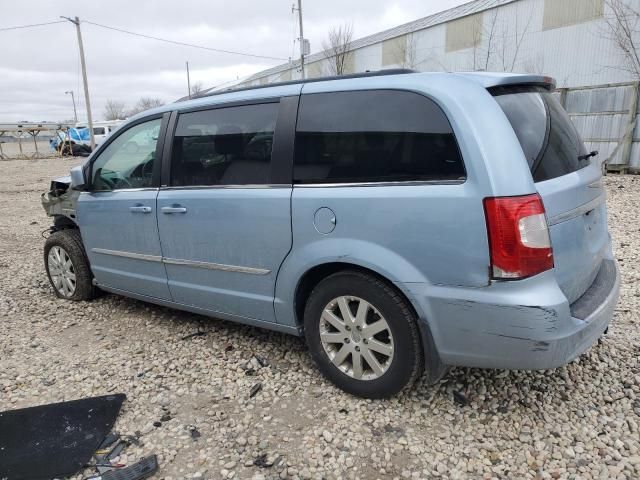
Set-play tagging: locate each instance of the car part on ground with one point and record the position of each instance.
(55, 440)
(144, 468)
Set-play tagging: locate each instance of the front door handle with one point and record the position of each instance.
(174, 209)
(140, 209)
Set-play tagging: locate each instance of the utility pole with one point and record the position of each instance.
(188, 81)
(76, 22)
(75, 112)
(301, 39)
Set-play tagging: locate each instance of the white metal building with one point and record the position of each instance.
(567, 39)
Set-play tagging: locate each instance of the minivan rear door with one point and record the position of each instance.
(568, 179)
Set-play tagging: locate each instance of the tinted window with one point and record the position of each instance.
(127, 162)
(99, 131)
(371, 136)
(225, 146)
(548, 138)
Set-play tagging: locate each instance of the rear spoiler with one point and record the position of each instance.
(492, 80)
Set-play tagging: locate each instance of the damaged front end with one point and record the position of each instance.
(60, 201)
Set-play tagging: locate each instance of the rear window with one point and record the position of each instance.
(548, 138)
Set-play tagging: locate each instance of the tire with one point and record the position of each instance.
(64, 246)
(398, 350)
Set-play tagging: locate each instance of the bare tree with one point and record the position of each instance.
(337, 49)
(114, 110)
(406, 52)
(491, 33)
(477, 34)
(510, 42)
(145, 103)
(196, 89)
(623, 24)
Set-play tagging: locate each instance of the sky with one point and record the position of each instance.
(38, 65)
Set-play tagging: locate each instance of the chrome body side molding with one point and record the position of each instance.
(216, 266)
(188, 263)
(136, 256)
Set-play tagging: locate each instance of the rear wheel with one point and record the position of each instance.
(362, 335)
(67, 266)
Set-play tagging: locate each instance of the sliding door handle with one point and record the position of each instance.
(174, 209)
(140, 209)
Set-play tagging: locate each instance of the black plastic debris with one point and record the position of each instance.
(55, 440)
(193, 431)
(460, 398)
(255, 389)
(261, 461)
(262, 361)
(199, 333)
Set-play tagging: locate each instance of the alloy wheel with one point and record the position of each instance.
(356, 338)
(61, 271)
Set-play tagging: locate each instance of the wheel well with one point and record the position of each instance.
(434, 367)
(60, 222)
(318, 273)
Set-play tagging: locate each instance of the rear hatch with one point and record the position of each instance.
(568, 180)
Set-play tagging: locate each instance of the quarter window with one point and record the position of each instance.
(224, 146)
(374, 136)
(128, 161)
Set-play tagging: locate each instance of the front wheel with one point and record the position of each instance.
(362, 335)
(67, 266)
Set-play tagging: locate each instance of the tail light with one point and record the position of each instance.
(519, 241)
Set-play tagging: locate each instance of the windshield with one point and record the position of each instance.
(548, 138)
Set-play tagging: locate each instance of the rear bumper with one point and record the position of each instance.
(526, 324)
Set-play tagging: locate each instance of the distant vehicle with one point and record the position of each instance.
(102, 129)
(401, 223)
(72, 141)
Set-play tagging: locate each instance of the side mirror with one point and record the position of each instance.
(78, 181)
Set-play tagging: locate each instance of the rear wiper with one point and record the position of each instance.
(586, 156)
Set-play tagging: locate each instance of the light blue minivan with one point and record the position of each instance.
(402, 222)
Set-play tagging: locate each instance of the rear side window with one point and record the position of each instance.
(548, 138)
(224, 146)
(374, 136)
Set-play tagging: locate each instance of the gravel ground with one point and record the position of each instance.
(189, 400)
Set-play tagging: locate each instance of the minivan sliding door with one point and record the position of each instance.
(224, 212)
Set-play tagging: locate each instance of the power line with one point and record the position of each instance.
(183, 43)
(30, 26)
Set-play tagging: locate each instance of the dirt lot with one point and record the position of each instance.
(580, 421)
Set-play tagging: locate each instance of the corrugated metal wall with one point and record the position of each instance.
(566, 39)
(606, 116)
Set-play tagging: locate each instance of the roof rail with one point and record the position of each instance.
(376, 73)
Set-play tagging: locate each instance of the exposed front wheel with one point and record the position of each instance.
(67, 266)
(362, 335)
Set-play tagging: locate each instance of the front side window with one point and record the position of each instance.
(374, 136)
(127, 162)
(224, 146)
